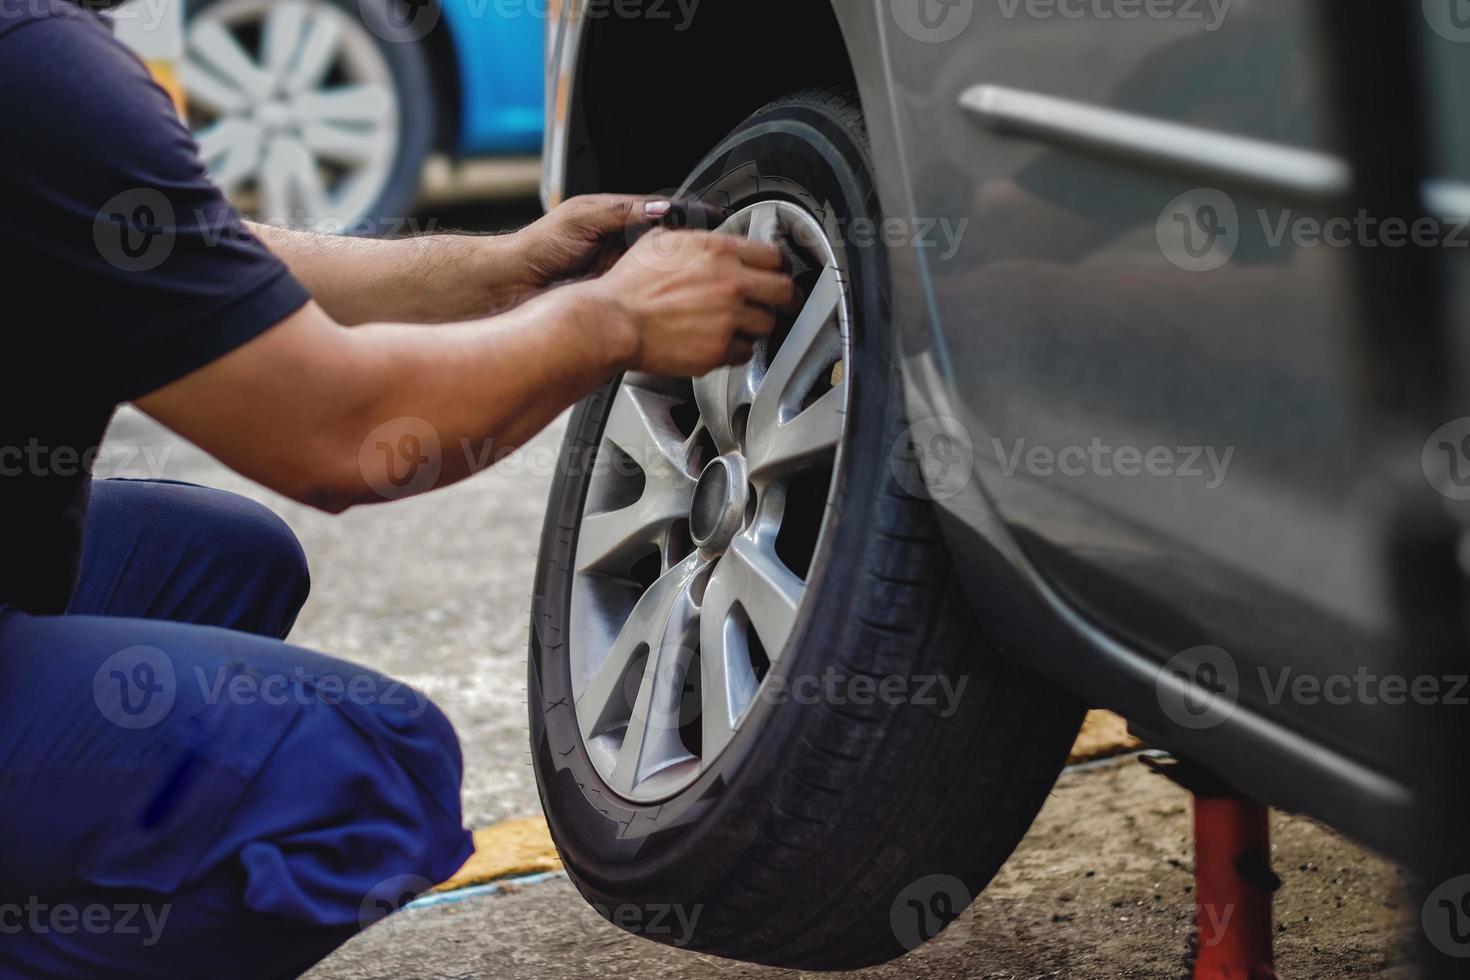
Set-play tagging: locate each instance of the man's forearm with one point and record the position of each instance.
(488, 386)
(468, 393)
(429, 279)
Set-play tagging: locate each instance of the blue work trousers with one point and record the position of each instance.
(181, 793)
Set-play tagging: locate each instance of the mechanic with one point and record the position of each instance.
(147, 773)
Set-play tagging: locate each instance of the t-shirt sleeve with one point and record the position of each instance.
(140, 270)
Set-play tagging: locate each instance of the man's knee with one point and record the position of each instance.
(256, 536)
(252, 551)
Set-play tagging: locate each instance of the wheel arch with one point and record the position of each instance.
(653, 94)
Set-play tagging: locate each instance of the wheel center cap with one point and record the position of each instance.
(718, 508)
(274, 116)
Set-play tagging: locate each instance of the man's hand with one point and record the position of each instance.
(694, 301)
(583, 236)
(438, 278)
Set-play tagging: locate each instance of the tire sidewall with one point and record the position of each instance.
(800, 153)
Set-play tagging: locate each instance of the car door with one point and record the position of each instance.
(1144, 315)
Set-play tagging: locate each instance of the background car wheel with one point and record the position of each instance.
(762, 723)
(312, 114)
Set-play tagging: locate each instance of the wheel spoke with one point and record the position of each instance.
(285, 29)
(764, 588)
(729, 681)
(359, 105)
(639, 424)
(211, 92)
(615, 534)
(216, 49)
(291, 186)
(230, 150)
(764, 223)
(814, 434)
(666, 628)
(330, 142)
(721, 395)
(318, 51)
(813, 344)
(607, 699)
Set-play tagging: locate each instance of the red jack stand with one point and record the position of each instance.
(1233, 881)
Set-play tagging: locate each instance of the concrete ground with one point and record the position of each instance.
(1100, 888)
(436, 592)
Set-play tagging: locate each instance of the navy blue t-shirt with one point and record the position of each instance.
(124, 269)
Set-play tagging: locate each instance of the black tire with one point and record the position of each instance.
(807, 847)
(404, 47)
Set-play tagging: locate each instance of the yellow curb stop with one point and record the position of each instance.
(1103, 734)
(507, 849)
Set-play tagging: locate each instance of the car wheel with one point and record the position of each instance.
(762, 723)
(310, 113)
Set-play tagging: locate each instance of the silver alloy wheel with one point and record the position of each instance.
(294, 109)
(681, 599)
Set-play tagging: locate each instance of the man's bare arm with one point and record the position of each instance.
(292, 408)
(441, 278)
(429, 279)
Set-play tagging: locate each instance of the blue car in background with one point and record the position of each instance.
(322, 113)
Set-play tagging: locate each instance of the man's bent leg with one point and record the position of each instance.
(163, 550)
(251, 788)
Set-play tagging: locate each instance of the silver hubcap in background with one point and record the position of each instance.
(294, 109)
(706, 506)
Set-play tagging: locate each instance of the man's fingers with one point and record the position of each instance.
(610, 212)
(741, 349)
(757, 255)
(755, 321)
(774, 289)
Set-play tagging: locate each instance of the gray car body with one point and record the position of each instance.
(1169, 499)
